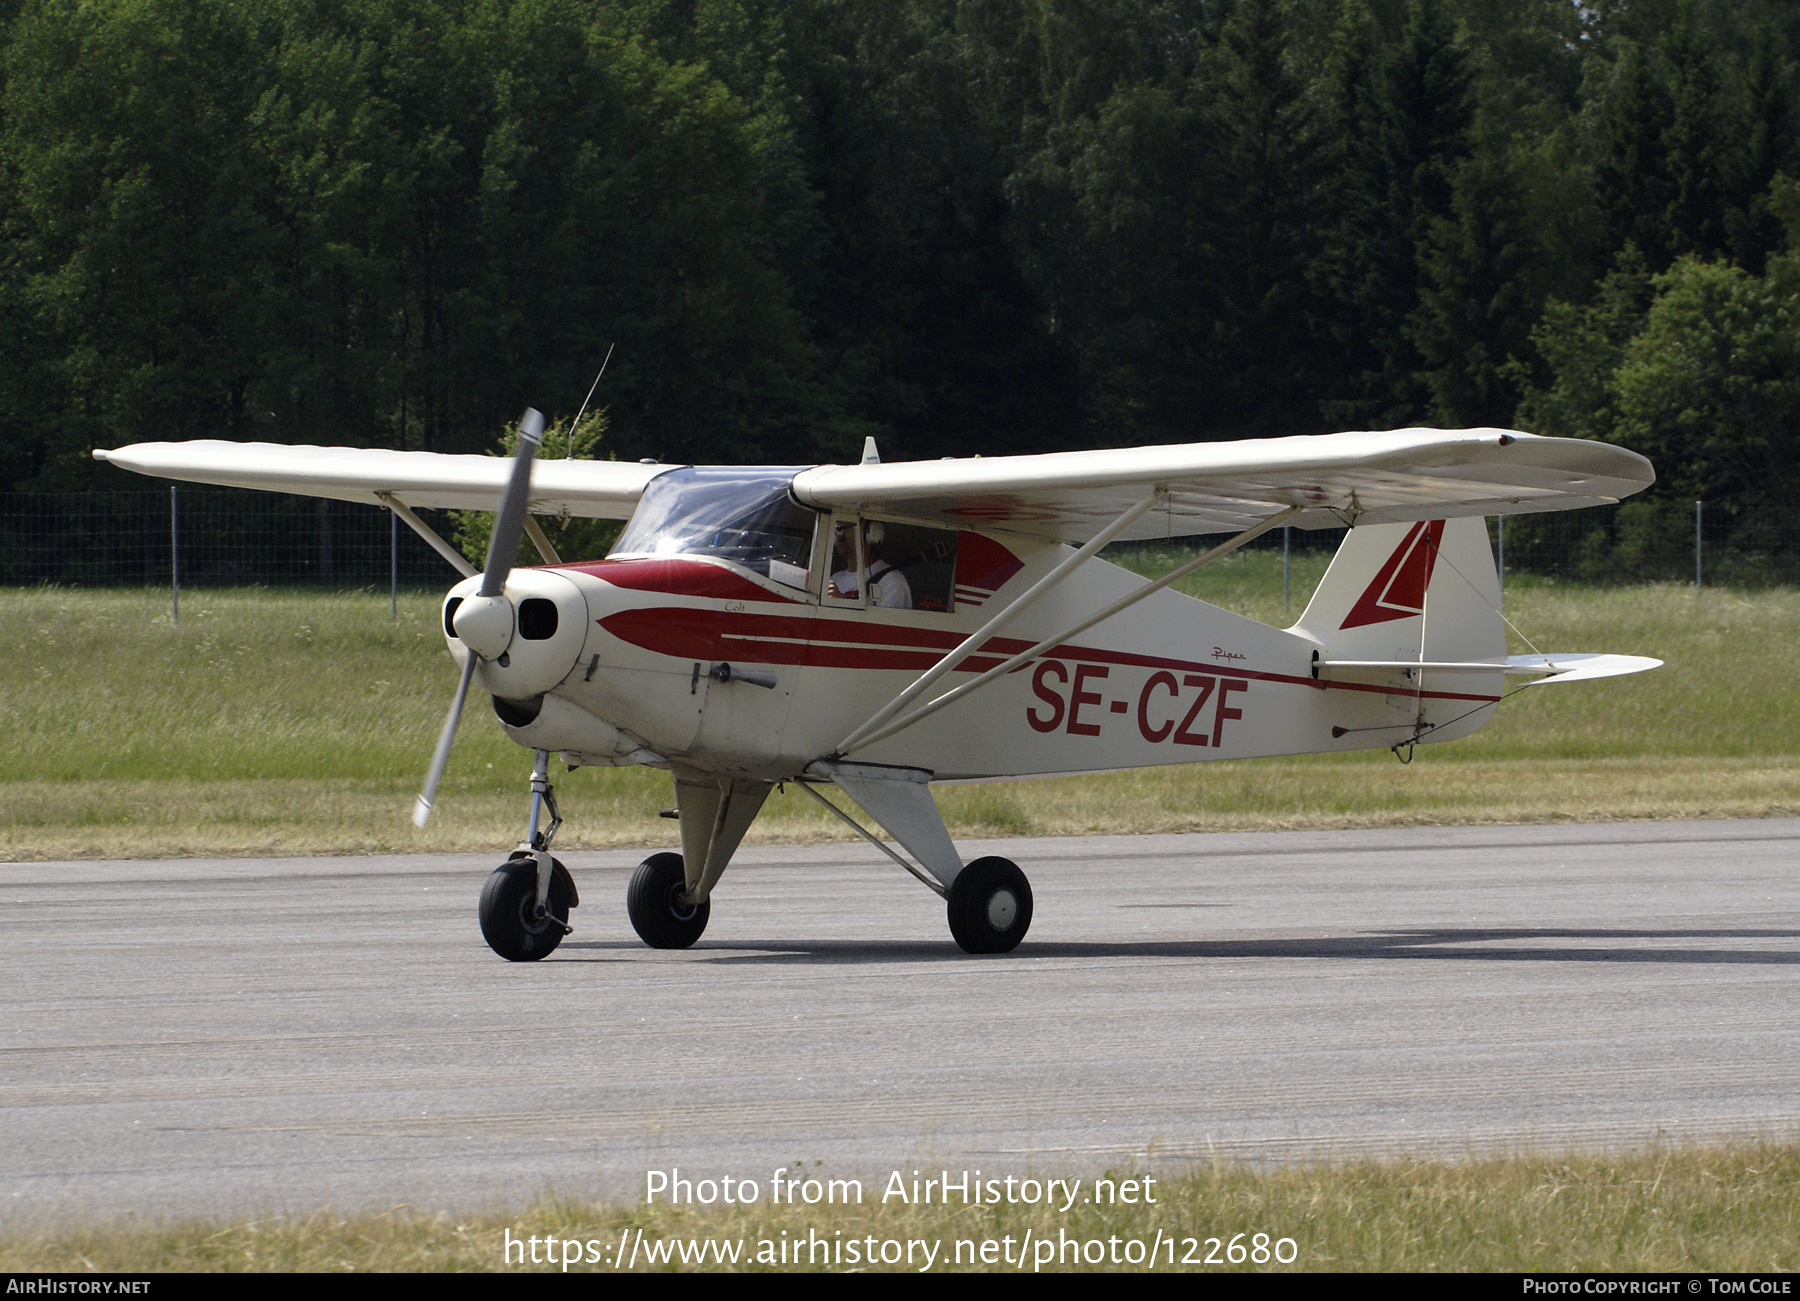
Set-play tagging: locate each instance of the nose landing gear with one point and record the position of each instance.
(513, 923)
(525, 904)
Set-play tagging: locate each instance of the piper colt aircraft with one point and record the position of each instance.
(880, 627)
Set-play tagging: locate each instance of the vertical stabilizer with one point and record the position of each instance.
(1424, 592)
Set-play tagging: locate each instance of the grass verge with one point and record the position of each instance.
(1690, 1210)
(186, 818)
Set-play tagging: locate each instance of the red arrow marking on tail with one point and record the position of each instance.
(1398, 591)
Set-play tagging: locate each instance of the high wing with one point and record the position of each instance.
(1335, 479)
(585, 489)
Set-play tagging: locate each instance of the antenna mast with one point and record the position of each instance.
(589, 398)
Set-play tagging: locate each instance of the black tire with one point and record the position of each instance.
(508, 909)
(660, 920)
(990, 906)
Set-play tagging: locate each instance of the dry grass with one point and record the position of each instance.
(186, 818)
(1728, 1209)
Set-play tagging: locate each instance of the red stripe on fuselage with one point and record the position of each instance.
(690, 633)
(813, 641)
(679, 576)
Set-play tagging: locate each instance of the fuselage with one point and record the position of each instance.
(706, 664)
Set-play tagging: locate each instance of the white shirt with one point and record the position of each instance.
(887, 586)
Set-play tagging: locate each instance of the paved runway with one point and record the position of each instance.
(251, 1035)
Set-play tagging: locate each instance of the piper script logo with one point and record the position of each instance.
(1398, 590)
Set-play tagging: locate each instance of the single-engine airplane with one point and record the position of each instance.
(880, 627)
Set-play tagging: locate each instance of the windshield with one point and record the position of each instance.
(740, 514)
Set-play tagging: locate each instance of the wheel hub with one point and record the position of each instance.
(681, 911)
(988, 906)
(532, 916)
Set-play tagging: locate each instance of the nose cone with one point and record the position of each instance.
(528, 639)
(485, 624)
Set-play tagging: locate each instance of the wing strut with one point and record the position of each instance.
(541, 541)
(424, 530)
(930, 883)
(871, 732)
(979, 637)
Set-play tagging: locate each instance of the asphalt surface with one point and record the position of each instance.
(242, 1036)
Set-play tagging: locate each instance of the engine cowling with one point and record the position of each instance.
(528, 638)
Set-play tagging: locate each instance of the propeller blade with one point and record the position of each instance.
(509, 521)
(441, 756)
(503, 546)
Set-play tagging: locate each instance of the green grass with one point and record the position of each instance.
(281, 722)
(1728, 687)
(1727, 1209)
(249, 685)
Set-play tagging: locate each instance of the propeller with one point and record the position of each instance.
(484, 622)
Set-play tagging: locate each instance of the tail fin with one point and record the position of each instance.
(1420, 592)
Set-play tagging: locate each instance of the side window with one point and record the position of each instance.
(895, 566)
(911, 566)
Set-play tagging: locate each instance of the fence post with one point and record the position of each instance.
(1285, 531)
(393, 566)
(327, 565)
(1697, 509)
(174, 560)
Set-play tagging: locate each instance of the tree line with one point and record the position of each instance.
(959, 225)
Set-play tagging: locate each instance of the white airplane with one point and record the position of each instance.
(883, 627)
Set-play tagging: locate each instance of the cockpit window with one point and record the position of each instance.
(740, 514)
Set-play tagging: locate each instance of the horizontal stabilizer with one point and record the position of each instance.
(1563, 667)
(1430, 666)
(1548, 668)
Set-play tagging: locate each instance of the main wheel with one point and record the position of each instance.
(510, 921)
(654, 902)
(990, 906)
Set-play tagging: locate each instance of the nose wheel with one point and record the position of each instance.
(524, 916)
(512, 922)
(989, 904)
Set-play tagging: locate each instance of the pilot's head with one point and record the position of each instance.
(846, 540)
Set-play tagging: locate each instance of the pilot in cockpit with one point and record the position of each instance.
(887, 586)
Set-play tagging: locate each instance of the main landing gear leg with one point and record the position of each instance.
(670, 896)
(525, 904)
(988, 902)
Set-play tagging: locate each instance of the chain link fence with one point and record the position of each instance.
(1710, 543)
(213, 537)
(231, 537)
